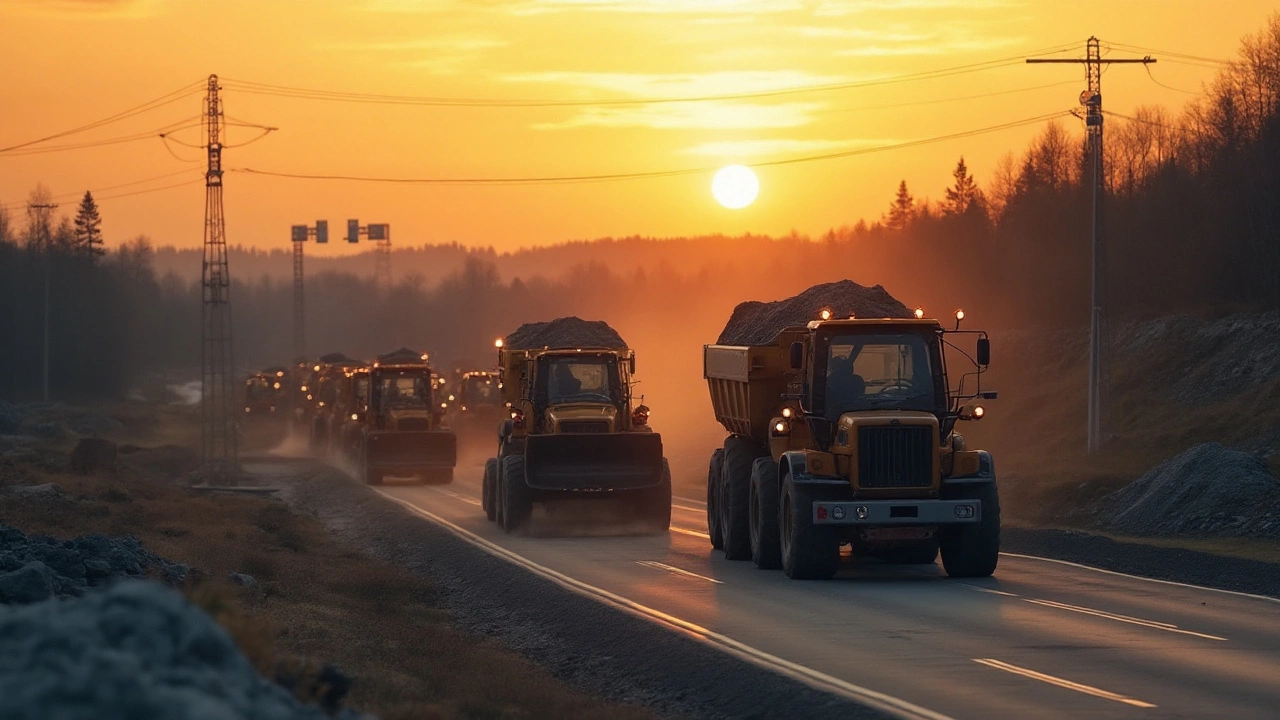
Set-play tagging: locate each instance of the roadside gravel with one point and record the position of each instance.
(592, 647)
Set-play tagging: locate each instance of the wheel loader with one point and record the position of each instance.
(402, 430)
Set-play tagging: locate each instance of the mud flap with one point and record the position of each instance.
(593, 462)
(411, 450)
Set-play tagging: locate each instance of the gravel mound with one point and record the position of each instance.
(1206, 491)
(564, 333)
(758, 323)
(137, 650)
(35, 568)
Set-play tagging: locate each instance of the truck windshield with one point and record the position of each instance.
(878, 372)
(405, 388)
(578, 380)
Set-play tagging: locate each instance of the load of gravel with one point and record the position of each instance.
(758, 323)
(136, 650)
(1208, 490)
(35, 568)
(565, 333)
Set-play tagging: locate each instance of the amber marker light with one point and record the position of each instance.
(919, 313)
(498, 343)
(825, 313)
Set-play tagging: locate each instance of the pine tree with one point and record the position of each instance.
(964, 194)
(88, 236)
(902, 209)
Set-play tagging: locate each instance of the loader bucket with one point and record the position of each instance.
(411, 450)
(593, 462)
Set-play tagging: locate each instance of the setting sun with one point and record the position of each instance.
(735, 186)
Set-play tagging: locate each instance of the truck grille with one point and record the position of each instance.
(584, 426)
(895, 457)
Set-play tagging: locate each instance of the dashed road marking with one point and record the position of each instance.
(1167, 627)
(1063, 683)
(688, 508)
(693, 533)
(678, 571)
(989, 590)
(1139, 577)
(457, 496)
(886, 703)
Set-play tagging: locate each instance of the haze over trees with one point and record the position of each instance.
(1192, 226)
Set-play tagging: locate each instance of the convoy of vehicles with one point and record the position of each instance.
(843, 431)
(573, 431)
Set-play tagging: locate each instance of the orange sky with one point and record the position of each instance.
(64, 63)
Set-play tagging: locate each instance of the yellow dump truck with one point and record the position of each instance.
(844, 431)
(573, 431)
(476, 406)
(402, 430)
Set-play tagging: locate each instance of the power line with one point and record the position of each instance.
(161, 131)
(567, 179)
(1169, 87)
(159, 102)
(339, 96)
(1170, 53)
(143, 181)
(940, 101)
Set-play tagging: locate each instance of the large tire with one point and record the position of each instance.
(486, 489)
(809, 552)
(973, 549)
(735, 497)
(713, 499)
(517, 500)
(923, 554)
(656, 502)
(766, 545)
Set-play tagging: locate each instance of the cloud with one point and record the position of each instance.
(695, 115)
(764, 147)
(696, 7)
(94, 8)
(463, 44)
(680, 85)
(839, 8)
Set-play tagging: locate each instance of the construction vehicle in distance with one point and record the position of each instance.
(476, 406)
(572, 431)
(843, 431)
(330, 377)
(263, 395)
(351, 401)
(402, 430)
(302, 378)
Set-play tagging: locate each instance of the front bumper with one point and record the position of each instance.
(897, 512)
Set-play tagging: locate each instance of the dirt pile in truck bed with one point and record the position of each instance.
(758, 323)
(1207, 491)
(565, 333)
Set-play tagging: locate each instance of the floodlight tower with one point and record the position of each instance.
(299, 235)
(381, 232)
(220, 452)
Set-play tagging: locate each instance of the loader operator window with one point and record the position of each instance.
(579, 380)
(878, 372)
(481, 391)
(405, 389)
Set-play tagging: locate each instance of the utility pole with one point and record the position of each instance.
(221, 459)
(1091, 99)
(40, 211)
(299, 235)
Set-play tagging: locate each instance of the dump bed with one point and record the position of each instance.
(747, 383)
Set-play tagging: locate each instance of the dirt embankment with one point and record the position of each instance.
(314, 621)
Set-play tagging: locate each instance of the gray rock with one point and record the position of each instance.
(31, 583)
(243, 580)
(565, 333)
(47, 490)
(758, 323)
(81, 563)
(137, 650)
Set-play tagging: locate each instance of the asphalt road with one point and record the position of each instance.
(1040, 639)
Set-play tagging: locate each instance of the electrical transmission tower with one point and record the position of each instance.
(217, 366)
(1091, 99)
(299, 235)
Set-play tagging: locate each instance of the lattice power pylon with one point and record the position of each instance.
(218, 390)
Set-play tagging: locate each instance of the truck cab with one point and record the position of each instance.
(403, 430)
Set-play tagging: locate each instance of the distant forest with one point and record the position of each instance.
(1192, 226)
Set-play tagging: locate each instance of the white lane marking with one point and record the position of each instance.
(686, 507)
(679, 571)
(686, 531)
(813, 678)
(694, 501)
(1078, 687)
(989, 590)
(1139, 577)
(456, 496)
(1167, 627)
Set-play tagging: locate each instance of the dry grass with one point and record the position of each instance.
(318, 600)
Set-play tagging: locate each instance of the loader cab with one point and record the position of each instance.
(579, 391)
(865, 366)
(480, 389)
(401, 387)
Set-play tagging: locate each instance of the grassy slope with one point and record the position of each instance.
(317, 598)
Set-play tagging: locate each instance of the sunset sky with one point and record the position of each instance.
(66, 63)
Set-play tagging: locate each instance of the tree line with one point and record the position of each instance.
(1192, 225)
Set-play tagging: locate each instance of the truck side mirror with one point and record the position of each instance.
(984, 352)
(631, 365)
(797, 355)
